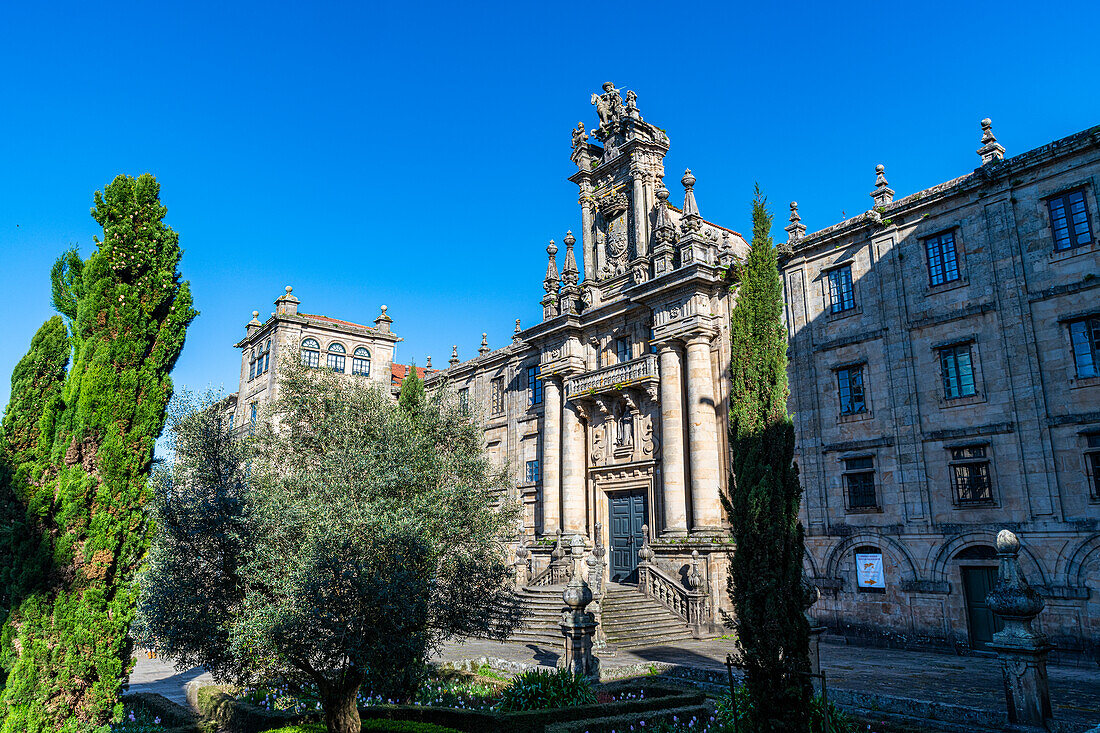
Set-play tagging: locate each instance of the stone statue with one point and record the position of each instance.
(631, 100)
(609, 105)
(579, 136)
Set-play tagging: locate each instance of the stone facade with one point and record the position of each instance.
(964, 411)
(937, 399)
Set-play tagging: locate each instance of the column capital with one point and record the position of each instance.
(704, 337)
(666, 344)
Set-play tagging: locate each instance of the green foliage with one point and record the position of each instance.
(540, 689)
(373, 726)
(412, 396)
(765, 575)
(370, 537)
(65, 282)
(66, 637)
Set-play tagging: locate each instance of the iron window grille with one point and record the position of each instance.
(957, 367)
(943, 262)
(841, 296)
(970, 475)
(850, 390)
(360, 362)
(534, 386)
(532, 471)
(1085, 336)
(859, 482)
(335, 358)
(497, 395)
(1069, 220)
(1092, 459)
(311, 353)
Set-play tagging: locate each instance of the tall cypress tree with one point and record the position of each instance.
(68, 639)
(765, 574)
(412, 395)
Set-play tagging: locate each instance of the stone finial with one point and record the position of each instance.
(569, 272)
(428, 363)
(694, 579)
(796, 230)
(383, 321)
(645, 552)
(991, 150)
(550, 284)
(1012, 598)
(882, 194)
(286, 304)
(558, 552)
(484, 349)
(255, 319)
(454, 355)
(690, 207)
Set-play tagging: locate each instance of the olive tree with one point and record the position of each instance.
(369, 535)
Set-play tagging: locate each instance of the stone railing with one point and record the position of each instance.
(557, 572)
(627, 374)
(689, 604)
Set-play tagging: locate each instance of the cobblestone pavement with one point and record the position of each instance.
(971, 681)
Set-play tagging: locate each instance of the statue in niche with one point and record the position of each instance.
(624, 428)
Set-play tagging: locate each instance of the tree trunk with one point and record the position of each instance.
(341, 710)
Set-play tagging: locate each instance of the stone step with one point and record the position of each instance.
(634, 642)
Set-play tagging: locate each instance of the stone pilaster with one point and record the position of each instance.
(641, 233)
(672, 446)
(702, 436)
(572, 471)
(551, 456)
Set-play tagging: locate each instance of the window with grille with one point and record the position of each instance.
(464, 398)
(311, 353)
(532, 471)
(850, 390)
(859, 482)
(957, 367)
(1085, 336)
(534, 386)
(1069, 220)
(496, 395)
(360, 362)
(943, 262)
(841, 297)
(335, 358)
(970, 475)
(1092, 461)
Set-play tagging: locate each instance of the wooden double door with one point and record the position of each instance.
(629, 511)
(983, 623)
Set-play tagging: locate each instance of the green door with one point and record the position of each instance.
(977, 582)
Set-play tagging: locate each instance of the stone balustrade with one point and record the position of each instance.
(632, 373)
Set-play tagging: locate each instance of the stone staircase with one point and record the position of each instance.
(630, 619)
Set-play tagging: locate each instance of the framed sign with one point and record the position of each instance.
(869, 570)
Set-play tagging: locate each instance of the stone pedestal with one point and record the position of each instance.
(1022, 650)
(578, 626)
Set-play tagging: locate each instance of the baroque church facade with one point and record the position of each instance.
(927, 405)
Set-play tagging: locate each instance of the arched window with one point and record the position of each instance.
(336, 357)
(360, 362)
(311, 353)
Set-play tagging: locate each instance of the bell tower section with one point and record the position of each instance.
(618, 179)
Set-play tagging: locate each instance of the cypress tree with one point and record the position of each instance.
(765, 575)
(411, 396)
(69, 638)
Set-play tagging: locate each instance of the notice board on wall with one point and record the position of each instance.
(869, 570)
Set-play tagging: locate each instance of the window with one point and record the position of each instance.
(231, 422)
(1069, 220)
(464, 398)
(1092, 459)
(534, 386)
(252, 411)
(360, 362)
(311, 354)
(859, 482)
(252, 366)
(943, 263)
(532, 472)
(1085, 336)
(958, 371)
(622, 350)
(335, 359)
(841, 297)
(970, 475)
(497, 395)
(850, 388)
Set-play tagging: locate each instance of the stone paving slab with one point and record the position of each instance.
(161, 677)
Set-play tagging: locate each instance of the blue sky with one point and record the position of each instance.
(417, 154)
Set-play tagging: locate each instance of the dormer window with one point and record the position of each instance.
(335, 359)
(360, 362)
(311, 353)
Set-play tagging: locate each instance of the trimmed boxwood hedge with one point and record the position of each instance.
(373, 726)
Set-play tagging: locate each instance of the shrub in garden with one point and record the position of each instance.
(65, 643)
(539, 689)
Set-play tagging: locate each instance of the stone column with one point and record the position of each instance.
(672, 443)
(572, 471)
(1022, 650)
(702, 437)
(551, 456)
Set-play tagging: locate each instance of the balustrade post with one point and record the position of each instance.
(645, 556)
(559, 566)
(696, 598)
(522, 574)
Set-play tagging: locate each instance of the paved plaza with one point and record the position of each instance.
(969, 681)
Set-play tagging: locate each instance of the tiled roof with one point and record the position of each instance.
(399, 371)
(313, 317)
